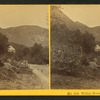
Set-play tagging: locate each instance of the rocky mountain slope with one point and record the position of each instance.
(27, 35)
(58, 17)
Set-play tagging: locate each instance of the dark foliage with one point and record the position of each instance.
(69, 48)
(37, 54)
(88, 42)
(3, 48)
(3, 44)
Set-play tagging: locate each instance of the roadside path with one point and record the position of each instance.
(40, 72)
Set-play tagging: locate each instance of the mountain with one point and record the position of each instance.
(58, 17)
(27, 35)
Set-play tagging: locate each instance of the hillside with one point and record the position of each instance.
(22, 78)
(26, 35)
(58, 17)
(74, 60)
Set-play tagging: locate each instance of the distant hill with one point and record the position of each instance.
(58, 17)
(27, 35)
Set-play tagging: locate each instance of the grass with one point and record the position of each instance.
(70, 82)
(81, 77)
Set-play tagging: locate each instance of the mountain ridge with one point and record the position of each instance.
(62, 18)
(26, 35)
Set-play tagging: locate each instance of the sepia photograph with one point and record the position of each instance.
(75, 46)
(24, 47)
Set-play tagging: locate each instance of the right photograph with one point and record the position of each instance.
(75, 46)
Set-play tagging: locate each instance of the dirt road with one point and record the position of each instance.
(26, 80)
(42, 72)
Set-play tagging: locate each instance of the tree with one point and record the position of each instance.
(88, 43)
(36, 54)
(22, 52)
(65, 46)
(36, 49)
(45, 55)
(3, 48)
(3, 44)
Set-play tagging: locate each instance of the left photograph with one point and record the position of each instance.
(24, 47)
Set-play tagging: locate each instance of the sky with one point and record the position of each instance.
(86, 14)
(12, 16)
